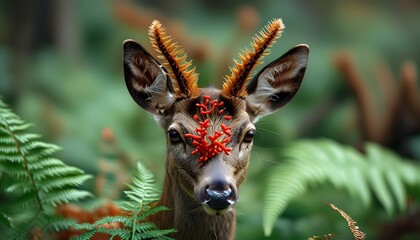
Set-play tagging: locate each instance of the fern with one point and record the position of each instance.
(139, 206)
(32, 179)
(309, 162)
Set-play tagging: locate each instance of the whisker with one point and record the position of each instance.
(256, 147)
(261, 159)
(195, 210)
(269, 131)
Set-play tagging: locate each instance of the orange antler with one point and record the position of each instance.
(174, 56)
(234, 85)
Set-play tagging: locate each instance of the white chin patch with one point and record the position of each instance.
(211, 211)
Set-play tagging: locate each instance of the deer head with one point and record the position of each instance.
(209, 131)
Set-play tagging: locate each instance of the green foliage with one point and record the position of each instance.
(33, 182)
(310, 162)
(139, 206)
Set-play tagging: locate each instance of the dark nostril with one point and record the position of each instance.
(214, 194)
(219, 199)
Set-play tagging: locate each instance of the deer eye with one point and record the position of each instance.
(174, 136)
(249, 136)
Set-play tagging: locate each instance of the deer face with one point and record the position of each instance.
(210, 132)
(210, 168)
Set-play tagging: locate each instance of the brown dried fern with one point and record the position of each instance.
(323, 237)
(174, 58)
(358, 235)
(235, 83)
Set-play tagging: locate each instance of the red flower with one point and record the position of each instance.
(209, 146)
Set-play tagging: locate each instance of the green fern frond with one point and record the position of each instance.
(309, 163)
(5, 220)
(141, 195)
(147, 212)
(65, 195)
(58, 223)
(33, 179)
(143, 190)
(86, 235)
(125, 232)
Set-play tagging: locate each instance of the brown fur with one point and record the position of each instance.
(187, 214)
(172, 101)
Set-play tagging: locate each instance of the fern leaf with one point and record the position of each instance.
(21, 186)
(152, 211)
(156, 234)
(63, 196)
(5, 220)
(142, 192)
(379, 187)
(66, 181)
(86, 235)
(120, 232)
(47, 162)
(57, 223)
(55, 172)
(108, 219)
(391, 175)
(309, 163)
(35, 181)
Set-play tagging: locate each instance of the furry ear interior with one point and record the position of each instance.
(146, 79)
(277, 83)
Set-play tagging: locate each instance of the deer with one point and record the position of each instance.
(209, 131)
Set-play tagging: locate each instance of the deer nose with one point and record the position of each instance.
(220, 196)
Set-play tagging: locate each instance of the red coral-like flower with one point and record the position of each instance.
(206, 145)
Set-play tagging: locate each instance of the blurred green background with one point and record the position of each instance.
(61, 69)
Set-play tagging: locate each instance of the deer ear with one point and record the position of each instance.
(277, 83)
(146, 79)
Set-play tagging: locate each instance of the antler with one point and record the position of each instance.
(174, 56)
(235, 83)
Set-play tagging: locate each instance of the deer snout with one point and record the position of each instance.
(217, 197)
(219, 200)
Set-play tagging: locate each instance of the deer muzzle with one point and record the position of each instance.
(219, 200)
(217, 192)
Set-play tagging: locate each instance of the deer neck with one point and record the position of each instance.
(187, 216)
